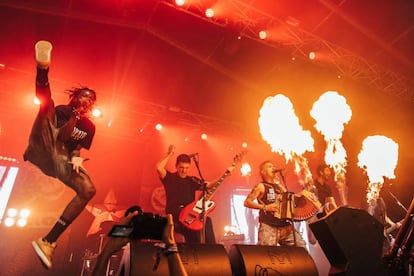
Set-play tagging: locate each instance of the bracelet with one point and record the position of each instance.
(163, 249)
(171, 249)
(167, 249)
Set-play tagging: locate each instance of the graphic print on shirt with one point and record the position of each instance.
(78, 134)
(271, 195)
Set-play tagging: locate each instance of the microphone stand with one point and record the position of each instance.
(203, 194)
(290, 206)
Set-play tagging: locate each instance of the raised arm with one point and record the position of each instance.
(161, 170)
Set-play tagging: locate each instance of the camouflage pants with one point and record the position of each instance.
(271, 235)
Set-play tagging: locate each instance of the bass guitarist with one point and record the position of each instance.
(180, 189)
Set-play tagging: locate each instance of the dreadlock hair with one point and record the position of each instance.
(74, 93)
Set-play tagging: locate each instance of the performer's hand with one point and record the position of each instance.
(77, 163)
(168, 235)
(171, 149)
(272, 207)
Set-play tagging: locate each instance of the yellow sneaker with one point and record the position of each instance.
(43, 51)
(44, 250)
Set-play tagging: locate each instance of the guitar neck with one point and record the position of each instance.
(212, 190)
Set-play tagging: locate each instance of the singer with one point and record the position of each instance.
(58, 134)
(180, 188)
(272, 230)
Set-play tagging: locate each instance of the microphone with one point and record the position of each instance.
(191, 155)
(278, 170)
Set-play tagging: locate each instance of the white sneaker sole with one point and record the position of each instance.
(43, 51)
(41, 255)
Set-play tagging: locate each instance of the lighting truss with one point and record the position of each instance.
(250, 20)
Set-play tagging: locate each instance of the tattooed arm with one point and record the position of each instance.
(253, 199)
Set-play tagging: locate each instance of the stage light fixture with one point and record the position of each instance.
(262, 34)
(312, 55)
(9, 222)
(244, 145)
(16, 217)
(246, 169)
(36, 101)
(12, 212)
(204, 136)
(158, 127)
(180, 2)
(96, 113)
(21, 222)
(209, 12)
(24, 213)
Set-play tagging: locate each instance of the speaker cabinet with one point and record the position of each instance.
(271, 260)
(352, 242)
(198, 259)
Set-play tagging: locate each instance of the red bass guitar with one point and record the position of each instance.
(190, 214)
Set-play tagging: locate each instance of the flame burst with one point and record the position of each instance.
(378, 157)
(331, 112)
(280, 128)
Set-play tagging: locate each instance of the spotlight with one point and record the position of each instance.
(36, 101)
(24, 213)
(246, 169)
(9, 222)
(158, 127)
(209, 12)
(204, 136)
(244, 145)
(16, 217)
(12, 212)
(312, 55)
(21, 222)
(180, 2)
(262, 34)
(96, 113)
